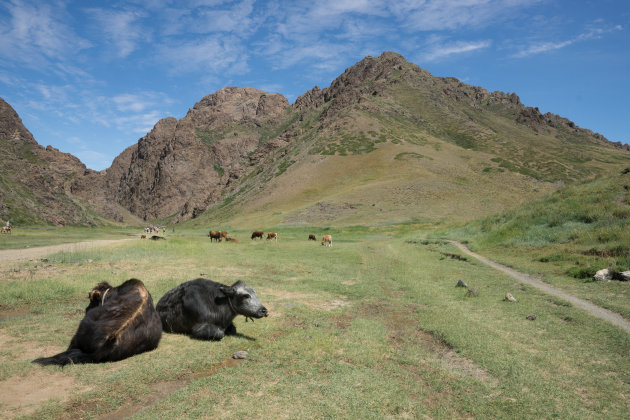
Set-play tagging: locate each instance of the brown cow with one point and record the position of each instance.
(312, 237)
(231, 240)
(215, 234)
(224, 234)
(257, 234)
(143, 236)
(272, 236)
(327, 239)
(6, 229)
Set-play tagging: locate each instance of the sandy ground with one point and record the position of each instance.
(38, 252)
(594, 310)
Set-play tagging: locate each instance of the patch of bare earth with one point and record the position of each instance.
(403, 329)
(23, 395)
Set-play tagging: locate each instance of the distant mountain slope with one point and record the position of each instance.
(385, 142)
(389, 142)
(35, 182)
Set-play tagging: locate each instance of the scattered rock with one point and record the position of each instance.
(509, 297)
(472, 292)
(45, 260)
(531, 317)
(461, 283)
(241, 354)
(89, 261)
(603, 275)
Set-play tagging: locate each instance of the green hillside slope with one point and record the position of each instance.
(387, 143)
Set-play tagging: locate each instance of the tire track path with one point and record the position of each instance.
(41, 251)
(594, 310)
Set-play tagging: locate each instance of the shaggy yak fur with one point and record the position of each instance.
(119, 322)
(205, 309)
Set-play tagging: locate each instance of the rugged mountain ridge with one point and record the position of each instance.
(239, 149)
(36, 182)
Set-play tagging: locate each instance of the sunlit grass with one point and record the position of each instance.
(373, 327)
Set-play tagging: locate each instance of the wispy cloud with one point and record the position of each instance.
(438, 50)
(435, 15)
(594, 31)
(121, 28)
(210, 54)
(36, 35)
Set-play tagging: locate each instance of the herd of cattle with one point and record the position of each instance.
(219, 235)
(121, 321)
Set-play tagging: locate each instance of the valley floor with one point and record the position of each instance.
(373, 327)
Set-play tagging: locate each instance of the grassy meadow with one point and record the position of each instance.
(564, 238)
(373, 327)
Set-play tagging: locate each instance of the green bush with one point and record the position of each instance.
(582, 272)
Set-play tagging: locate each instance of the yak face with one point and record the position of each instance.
(98, 295)
(243, 300)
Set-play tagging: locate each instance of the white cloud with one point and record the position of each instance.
(595, 31)
(437, 50)
(128, 102)
(138, 123)
(36, 35)
(436, 15)
(210, 54)
(121, 28)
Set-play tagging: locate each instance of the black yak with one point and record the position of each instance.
(119, 322)
(205, 309)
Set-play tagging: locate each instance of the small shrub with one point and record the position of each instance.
(582, 272)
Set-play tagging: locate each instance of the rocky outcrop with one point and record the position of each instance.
(181, 167)
(37, 180)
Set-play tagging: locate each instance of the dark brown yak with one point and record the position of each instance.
(119, 322)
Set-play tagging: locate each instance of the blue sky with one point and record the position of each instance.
(92, 77)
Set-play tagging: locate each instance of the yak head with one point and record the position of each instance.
(98, 295)
(244, 301)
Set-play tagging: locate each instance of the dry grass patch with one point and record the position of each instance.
(311, 300)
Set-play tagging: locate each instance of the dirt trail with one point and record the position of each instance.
(31, 253)
(594, 310)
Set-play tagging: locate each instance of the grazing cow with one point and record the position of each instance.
(272, 236)
(312, 237)
(155, 237)
(119, 322)
(257, 234)
(143, 236)
(205, 309)
(215, 234)
(224, 234)
(327, 240)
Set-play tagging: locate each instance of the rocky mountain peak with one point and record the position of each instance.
(11, 127)
(234, 104)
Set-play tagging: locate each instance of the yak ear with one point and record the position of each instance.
(228, 290)
(95, 294)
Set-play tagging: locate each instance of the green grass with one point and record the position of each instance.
(565, 237)
(371, 328)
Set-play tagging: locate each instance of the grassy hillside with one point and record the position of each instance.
(567, 237)
(405, 146)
